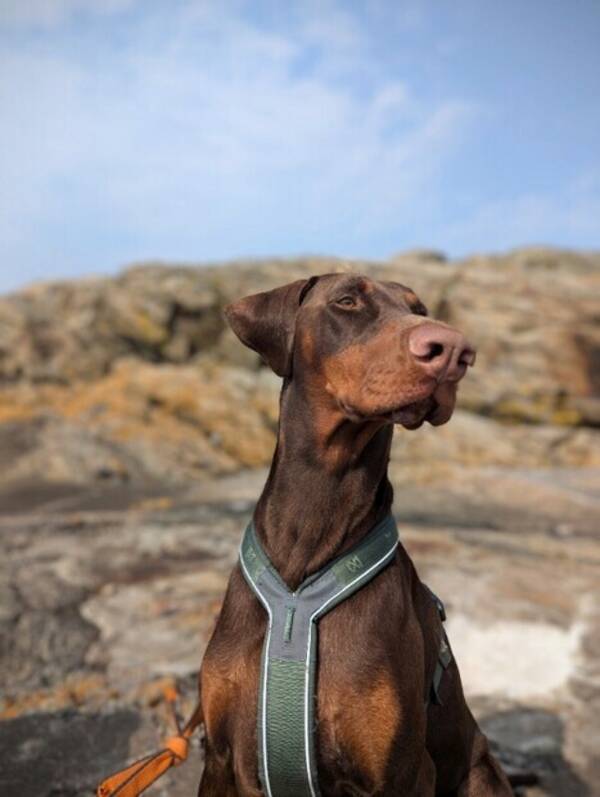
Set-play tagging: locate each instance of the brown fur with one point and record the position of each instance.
(342, 345)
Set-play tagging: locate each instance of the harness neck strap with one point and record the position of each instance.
(286, 750)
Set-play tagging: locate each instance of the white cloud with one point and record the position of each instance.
(533, 218)
(53, 13)
(203, 132)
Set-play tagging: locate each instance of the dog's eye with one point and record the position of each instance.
(346, 301)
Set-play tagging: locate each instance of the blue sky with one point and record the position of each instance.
(201, 130)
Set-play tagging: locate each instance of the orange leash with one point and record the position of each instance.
(134, 779)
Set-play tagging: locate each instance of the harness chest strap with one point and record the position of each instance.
(286, 755)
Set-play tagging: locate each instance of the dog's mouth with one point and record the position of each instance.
(412, 416)
(436, 408)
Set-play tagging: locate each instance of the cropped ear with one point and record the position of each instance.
(266, 321)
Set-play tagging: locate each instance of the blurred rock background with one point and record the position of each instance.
(134, 435)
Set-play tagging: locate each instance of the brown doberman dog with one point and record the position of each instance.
(357, 357)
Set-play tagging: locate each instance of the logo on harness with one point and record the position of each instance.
(251, 554)
(354, 564)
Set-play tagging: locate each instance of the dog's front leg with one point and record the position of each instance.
(218, 778)
(485, 778)
(425, 784)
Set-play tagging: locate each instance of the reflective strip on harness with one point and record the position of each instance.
(286, 754)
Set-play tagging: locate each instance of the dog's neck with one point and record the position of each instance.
(327, 486)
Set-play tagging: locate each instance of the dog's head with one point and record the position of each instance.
(366, 346)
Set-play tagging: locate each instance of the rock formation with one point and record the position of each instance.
(136, 378)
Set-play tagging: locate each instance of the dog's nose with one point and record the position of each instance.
(443, 352)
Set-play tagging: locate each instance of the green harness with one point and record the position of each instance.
(286, 754)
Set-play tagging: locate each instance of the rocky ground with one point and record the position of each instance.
(106, 602)
(134, 433)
